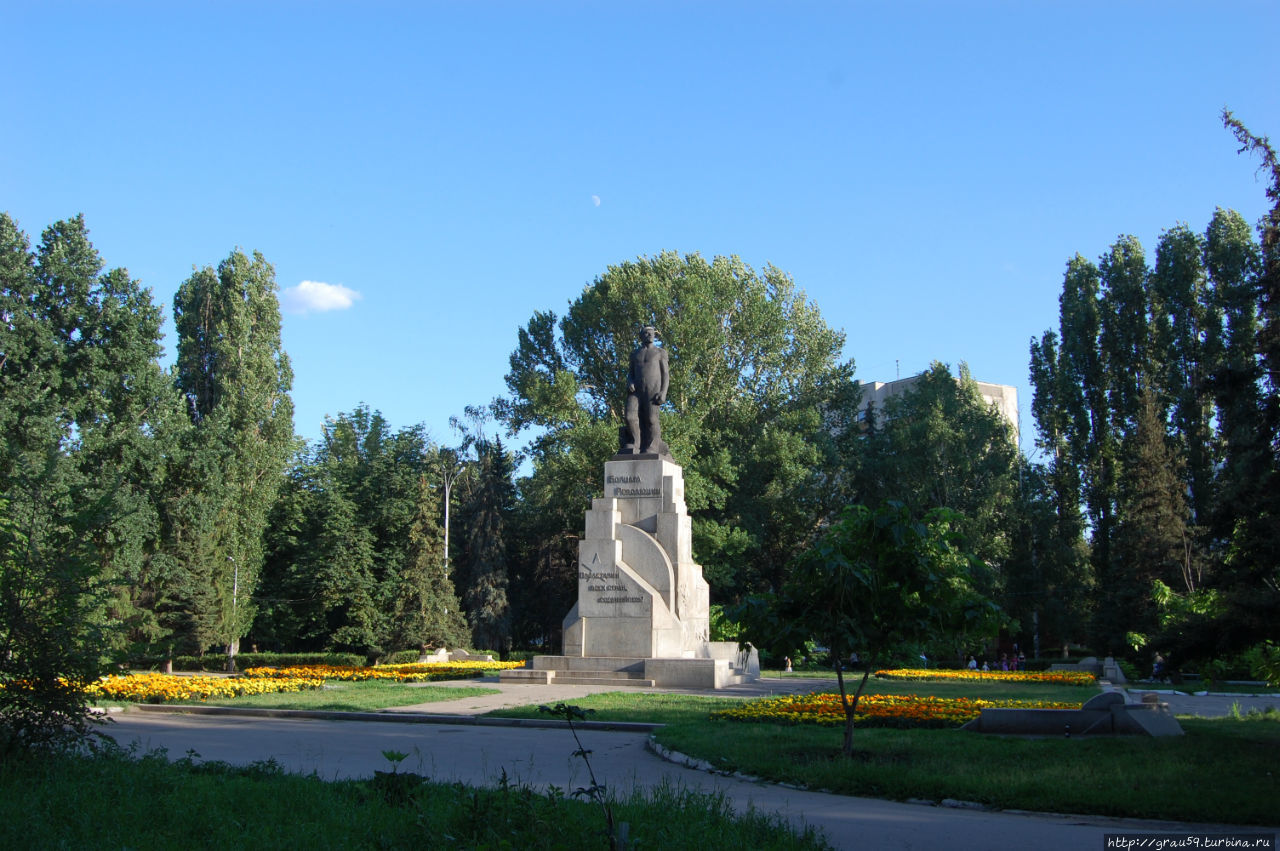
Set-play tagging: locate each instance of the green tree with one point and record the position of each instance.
(1232, 262)
(1083, 388)
(1048, 589)
(83, 404)
(875, 580)
(1154, 537)
(1057, 584)
(487, 504)
(341, 537)
(1249, 579)
(236, 378)
(426, 609)
(940, 445)
(757, 382)
(1187, 336)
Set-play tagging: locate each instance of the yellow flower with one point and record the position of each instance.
(164, 688)
(875, 709)
(397, 673)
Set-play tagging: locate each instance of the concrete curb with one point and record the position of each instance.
(393, 717)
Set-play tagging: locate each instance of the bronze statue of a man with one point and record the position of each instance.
(647, 383)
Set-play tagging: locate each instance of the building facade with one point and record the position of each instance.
(1003, 397)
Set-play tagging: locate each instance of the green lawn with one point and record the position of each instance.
(672, 708)
(149, 803)
(364, 696)
(337, 696)
(656, 707)
(1222, 771)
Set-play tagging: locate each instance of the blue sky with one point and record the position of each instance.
(923, 170)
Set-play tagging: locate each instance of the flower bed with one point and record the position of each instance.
(1061, 678)
(395, 673)
(875, 710)
(164, 688)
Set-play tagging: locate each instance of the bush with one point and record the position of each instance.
(402, 657)
(214, 662)
(1264, 663)
(1130, 670)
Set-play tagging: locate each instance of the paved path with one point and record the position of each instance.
(541, 756)
(1206, 706)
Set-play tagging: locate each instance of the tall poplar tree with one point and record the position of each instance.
(1083, 388)
(236, 378)
(1187, 339)
(1058, 576)
(1232, 263)
(1250, 580)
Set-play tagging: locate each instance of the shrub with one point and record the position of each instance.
(215, 662)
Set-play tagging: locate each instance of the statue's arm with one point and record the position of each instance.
(666, 376)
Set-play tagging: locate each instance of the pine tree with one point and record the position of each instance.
(488, 506)
(427, 612)
(82, 411)
(1153, 539)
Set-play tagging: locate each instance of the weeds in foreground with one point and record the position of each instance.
(594, 792)
(42, 804)
(395, 788)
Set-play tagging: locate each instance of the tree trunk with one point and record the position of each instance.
(850, 708)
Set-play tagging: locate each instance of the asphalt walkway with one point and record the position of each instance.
(450, 741)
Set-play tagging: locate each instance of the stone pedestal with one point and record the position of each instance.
(642, 616)
(640, 594)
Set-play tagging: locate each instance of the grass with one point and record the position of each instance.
(149, 803)
(655, 707)
(362, 696)
(677, 708)
(1223, 771)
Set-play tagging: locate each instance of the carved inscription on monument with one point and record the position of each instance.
(629, 487)
(609, 585)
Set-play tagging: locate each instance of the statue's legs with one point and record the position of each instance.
(655, 428)
(633, 421)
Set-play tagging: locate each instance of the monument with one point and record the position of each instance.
(642, 615)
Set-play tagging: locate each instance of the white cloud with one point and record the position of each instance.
(595, 199)
(316, 296)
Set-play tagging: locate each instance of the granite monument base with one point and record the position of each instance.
(643, 614)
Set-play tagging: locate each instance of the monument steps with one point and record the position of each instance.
(603, 678)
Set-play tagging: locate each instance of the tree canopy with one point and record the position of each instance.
(236, 378)
(85, 414)
(876, 580)
(760, 398)
(1156, 397)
